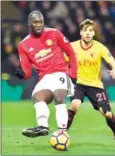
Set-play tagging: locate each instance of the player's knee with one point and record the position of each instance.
(109, 115)
(75, 104)
(35, 98)
(105, 109)
(59, 100)
(60, 97)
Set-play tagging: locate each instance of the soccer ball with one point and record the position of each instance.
(60, 140)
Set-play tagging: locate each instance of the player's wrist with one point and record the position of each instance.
(20, 73)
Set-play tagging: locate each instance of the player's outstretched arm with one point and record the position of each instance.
(110, 60)
(25, 69)
(67, 48)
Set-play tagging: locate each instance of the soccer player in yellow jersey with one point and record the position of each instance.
(90, 54)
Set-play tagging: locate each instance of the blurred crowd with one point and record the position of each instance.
(64, 16)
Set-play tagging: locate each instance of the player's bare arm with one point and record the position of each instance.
(106, 55)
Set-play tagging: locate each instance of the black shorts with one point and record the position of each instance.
(94, 94)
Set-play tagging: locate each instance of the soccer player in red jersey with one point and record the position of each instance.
(90, 54)
(44, 49)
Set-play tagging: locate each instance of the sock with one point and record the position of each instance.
(42, 113)
(71, 115)
(111, 123)
(61, 116)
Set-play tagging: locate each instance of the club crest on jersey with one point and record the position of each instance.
(92, 54)
(49, 42)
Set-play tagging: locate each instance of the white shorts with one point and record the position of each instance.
(54, 81)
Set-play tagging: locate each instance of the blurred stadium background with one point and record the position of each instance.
(16, 113)
(64, 16)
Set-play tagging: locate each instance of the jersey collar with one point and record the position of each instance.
(87, 47)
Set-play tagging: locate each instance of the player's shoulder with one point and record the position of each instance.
(25, 39)
(100, 46)
(50, 29)
(97, 43)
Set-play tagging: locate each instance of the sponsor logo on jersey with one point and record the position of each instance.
(44, 58)
(49, 42)
(87, 63)
(43, 53)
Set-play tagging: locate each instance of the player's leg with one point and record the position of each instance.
(99, 100)
(106, 111)
(41, 95)
(76, 101)
(62, 88)
(40, 99)
(61, 110)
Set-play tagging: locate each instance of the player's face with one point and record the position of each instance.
(87, 33)
(37, 25)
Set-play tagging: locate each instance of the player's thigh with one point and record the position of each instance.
(60, 96)
(43, 90)
(43, 95)
(78, 97)
(43, 84)
(79, 93)
(98, 97)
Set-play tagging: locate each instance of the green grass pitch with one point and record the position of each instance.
(89, 132)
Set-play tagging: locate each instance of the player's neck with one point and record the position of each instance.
(34, 35)
(85, 45)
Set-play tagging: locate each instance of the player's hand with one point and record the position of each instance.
(112, 73)
(19, 73)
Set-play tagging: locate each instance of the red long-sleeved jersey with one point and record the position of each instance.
(46, 54)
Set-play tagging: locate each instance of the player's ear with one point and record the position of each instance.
(80, 32)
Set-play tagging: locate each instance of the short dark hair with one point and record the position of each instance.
(87, 22)
(35, 12)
